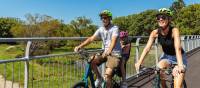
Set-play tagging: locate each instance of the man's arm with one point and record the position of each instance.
(86, 42)
(112, 45)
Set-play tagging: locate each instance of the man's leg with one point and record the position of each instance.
(111, 64)
(108, 77)
(98, 60)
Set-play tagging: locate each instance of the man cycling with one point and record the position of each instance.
(109, 34)
(169, 38)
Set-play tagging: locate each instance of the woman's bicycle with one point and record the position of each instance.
(169, 78)
(85, 83)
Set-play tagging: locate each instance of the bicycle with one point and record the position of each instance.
(157, 79)
(84, 83)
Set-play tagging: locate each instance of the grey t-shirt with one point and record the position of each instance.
(106, 36)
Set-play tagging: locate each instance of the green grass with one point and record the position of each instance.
(11, 67)
(53, 74)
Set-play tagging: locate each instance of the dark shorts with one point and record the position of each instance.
(125, 57)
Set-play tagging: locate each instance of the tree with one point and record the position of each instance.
(177, 5)
(188, 19)
(138, 24)
(123, 22)
(6, 24)
(83, 26)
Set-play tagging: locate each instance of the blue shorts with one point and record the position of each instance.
(172, 58)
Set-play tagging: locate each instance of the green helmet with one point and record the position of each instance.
(165, 11)
(106, 12)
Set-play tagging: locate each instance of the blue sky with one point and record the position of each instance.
(70, 9)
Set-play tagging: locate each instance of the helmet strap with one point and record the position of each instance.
(108, 26)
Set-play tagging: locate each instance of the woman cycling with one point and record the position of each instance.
(126, 48)
(169, 38)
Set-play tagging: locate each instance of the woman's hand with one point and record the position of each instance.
(178, 70)
(137, 67)
(77, 48)
(181, 69)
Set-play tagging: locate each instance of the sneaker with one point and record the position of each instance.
(98, 82)
(124, 85)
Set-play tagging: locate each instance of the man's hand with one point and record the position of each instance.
(106, 53)
(76, 49)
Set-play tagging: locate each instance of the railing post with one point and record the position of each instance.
(196, 41)
(183, 42)
(188, 43)
(26, 65)
(137, 50)
(193, 37)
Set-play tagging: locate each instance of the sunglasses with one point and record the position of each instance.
(104, 18)
(164, 17)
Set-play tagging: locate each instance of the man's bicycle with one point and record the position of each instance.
(169, 78)
(85, 83)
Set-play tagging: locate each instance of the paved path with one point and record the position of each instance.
(192, 75)
(8, 83)
(193, 71)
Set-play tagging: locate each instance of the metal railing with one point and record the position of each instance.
(63, 70)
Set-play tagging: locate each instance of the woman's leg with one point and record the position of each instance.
(163, 64)
(123, 71)
(178, 80)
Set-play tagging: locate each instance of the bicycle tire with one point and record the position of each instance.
(157, 84)
(184, 84)
(157, 81)
(80, 85)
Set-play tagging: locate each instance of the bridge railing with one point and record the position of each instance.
(63, 70)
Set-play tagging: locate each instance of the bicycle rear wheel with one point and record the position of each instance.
(80, 85)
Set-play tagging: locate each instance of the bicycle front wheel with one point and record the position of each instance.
(184, 84)
(80, 85)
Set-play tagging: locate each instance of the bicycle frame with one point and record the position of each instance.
(88, 73)
(157, 79)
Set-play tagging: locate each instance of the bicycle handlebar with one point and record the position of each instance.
(85, 54)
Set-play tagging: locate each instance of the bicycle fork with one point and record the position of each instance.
(157, 80)
(88, 73)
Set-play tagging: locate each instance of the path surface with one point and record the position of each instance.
(8, 83)
(192, 75)
(193, 71)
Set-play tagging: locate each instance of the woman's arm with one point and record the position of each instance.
(177, 45)
(147, 48)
